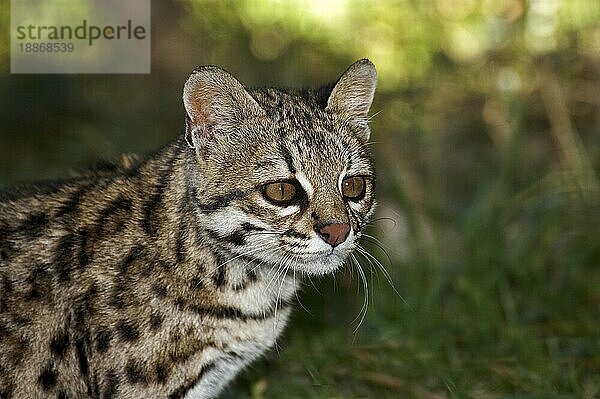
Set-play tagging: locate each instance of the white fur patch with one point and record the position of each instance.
(305, 183)
(289, 210)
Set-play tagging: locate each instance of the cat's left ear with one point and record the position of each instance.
(215, 103)
(352, 95)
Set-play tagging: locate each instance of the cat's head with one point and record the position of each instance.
(282, 176)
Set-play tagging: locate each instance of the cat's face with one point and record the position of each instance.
(290, 177)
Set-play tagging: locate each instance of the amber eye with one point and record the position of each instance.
(280, 192)
(353, 187)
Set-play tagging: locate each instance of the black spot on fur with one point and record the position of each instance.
(160, 290)
(41, 284)
(79, 315)
(103, 340)
(94, 386)
(34, 225)
(149, 223)
(24, 343)
(48, 377)
(147, 268)
(7, 285)
(295, 234)
(219, 276)
(183, 390)
(113, 218)
(71, 204)
(15, 346)
(116, 301)
(228, 312)
(156, 320)
(286, 154)
(84, 255)
(180, 303)
(63, 258)
(250, 227)
(134, 372)
(222, 201)
(111, 385)
(134, 254)
(165, 265)
(236, 238)
(62, 394)
(4, 253)
(21, 320)
(72, 248)
(221, 313)
(82, 357)
(251, 278)
(89, 298)
(60, 344)
(4, 333)
(162, 372)
(6, 392)
(128, 331)
(152, 207)
(196, 283)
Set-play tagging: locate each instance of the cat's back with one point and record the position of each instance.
(32, 223)
(46, 245)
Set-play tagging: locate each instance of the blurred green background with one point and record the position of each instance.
(486, 129)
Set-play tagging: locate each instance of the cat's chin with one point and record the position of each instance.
(318, 269)
(320, 265)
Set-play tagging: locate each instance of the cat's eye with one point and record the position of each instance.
(353, 187)
(280, 192)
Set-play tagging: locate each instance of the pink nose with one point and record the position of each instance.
(334, 233)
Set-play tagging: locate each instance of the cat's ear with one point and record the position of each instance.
(215, 102)
(352, 95)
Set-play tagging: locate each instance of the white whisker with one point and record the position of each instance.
(363, 311)
(374, 261)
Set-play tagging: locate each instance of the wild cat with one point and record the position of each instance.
(165, 276)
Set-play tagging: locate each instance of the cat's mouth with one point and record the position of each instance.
(322, 261)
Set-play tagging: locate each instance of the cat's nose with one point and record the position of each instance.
(334, 233)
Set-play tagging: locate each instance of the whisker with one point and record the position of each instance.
(297, 296)
(313, 284)
(386, 218)
(255, 250)
(275, 275)
(363, 311)
(374, 115)
(262, 262)
(278, 297)
(380, 245)
(372, 259)
(263, 233)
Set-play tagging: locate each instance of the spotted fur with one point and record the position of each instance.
(164, 276)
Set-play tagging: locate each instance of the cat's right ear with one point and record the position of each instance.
(352, 95)
(215, 102)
